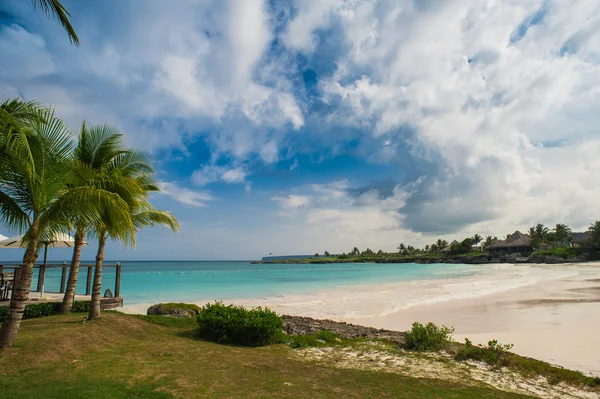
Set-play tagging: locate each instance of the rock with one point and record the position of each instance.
(162, 310)
(297, 325)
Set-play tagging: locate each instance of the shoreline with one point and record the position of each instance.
(545, 313)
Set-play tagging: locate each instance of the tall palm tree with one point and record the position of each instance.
(35, 158)
(477, 239)
(53, 8)
(489, 240)
(594, 230)
(401, 247)
(135, 194)
(441, 244)
(94, 163)
(561, 233)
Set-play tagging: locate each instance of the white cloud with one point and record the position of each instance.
(482, 108)
(185, 196)
(214, 173)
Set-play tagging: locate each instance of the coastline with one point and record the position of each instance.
(544, 310)
(555, 321)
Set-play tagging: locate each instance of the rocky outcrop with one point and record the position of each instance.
(296, 325)
(173, 311)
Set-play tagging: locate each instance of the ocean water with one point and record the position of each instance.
(148, 281)
(344, 291)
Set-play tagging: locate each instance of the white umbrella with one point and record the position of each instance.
(60, 240)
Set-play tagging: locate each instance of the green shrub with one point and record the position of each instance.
(81, 307)
(498, 355)
(427, 338)
(46, 309)
(328, 336)
(238, 325)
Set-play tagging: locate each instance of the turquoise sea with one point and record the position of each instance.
(156, 281)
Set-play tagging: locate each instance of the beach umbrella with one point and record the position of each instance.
(60, 240)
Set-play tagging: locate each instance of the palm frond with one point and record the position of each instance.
(57, 10)
(12, 215)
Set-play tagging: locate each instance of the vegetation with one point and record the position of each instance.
(49, 186)
(556, 242)
(321, 338)
(46, 309)
(53, 8)
(499, 355)
(123, 356)
(428, 337)
(239, 326)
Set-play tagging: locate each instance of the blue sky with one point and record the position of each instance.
(312, 125)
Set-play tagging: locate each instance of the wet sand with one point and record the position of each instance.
(555, 321)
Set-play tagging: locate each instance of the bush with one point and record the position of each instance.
(427, 338)
(491, 354)
(46, 309)
(498, 355)
(238, 325)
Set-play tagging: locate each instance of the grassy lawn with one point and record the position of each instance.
(122, 356)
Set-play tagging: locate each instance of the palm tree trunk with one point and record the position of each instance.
(67, 303)
(12, 322)
(97, 287)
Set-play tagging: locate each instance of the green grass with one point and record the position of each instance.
(123, 356)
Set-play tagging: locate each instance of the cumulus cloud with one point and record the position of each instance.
(483, 114)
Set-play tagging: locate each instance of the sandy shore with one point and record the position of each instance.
(557, 321)
(549, 312)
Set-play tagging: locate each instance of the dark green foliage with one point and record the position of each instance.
(463, 247)
(80, 307)
(427, 338)
(498, 355)
(238, 325)
(46, 309)
(560, 252)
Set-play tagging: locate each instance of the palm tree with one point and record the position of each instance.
(441, 244)
(53, 8)
(134, 191)
(476, 239)
(561, 233)
(401, 247)
(95, 159)
(594, 230)
(489, 241)
(35, 157)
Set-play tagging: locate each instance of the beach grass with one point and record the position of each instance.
(124, 356)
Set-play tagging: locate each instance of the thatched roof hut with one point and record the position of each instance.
(514, 242)
(580, 239)
(448, 248)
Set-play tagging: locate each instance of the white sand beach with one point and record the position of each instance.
(556, 321)
(549, 312)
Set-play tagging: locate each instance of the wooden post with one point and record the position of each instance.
(42, 273)
(88, 284)
(118, 281)
(63, 278)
